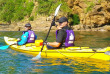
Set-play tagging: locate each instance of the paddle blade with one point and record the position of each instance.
(4, 47)
(107, 53)
(57, 9)
(37, 57)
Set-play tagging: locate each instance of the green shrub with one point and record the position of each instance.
(7, 10)
(15, 10)
(44, 6)
(74, 19)
(47, 7)
(31, 18)
(90, 5)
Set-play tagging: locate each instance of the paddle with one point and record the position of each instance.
(5, 47)
(52, 24)
(107, 52)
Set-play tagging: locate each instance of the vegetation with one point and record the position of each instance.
(31, 18)
(74, 19)
(47, 7)
(90, 6)
(15, 10)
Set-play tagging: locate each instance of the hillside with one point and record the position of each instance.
(89, 15)
(14, 14)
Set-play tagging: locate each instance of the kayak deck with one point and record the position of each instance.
(85, 52)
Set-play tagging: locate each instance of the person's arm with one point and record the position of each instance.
(24, 38)
(59, 40)
(53, 44)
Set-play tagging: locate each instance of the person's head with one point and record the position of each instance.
(63, 21)
(28, 26)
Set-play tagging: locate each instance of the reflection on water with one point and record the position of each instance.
(79, 65)
(93, 39)
(13, 62)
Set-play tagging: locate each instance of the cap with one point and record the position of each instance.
(28, 25)
(63, 19)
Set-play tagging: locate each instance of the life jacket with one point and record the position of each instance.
(69, 41)
(31, 36)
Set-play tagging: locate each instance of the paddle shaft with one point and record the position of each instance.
(48, 33)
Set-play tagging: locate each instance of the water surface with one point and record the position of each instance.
(13, 62)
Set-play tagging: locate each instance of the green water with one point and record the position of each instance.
(13, 62)
(91, 39)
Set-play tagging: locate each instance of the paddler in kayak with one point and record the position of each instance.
(64, 35)
(28, 35)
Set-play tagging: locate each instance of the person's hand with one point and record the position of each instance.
(53, 23)
(18, 39)
(45, 43)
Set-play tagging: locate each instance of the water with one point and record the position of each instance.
(13, 62)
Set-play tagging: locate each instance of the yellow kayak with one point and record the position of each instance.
(81, 52)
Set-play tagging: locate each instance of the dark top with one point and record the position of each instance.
(61, 35)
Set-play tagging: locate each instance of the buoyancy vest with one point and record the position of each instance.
(31, 36)
(69, 41)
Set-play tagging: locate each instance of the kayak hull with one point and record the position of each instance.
(70, 52)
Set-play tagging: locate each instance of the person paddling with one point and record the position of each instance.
(64, 35)
(28, 35)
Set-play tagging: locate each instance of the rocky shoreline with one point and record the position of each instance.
(46, 27)
(43, 24)
(83, 28)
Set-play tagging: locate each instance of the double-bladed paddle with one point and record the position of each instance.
(5, 47)
(52, 24)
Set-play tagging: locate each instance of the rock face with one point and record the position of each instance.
(92, 13)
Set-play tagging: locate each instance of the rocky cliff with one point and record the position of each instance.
(92, 13)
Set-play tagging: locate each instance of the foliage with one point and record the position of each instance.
(44, 6)
(47, 7)
(6, 12)
(99, 1)
(74, 19)
(90, 6)
(31, 18)
(15, 10)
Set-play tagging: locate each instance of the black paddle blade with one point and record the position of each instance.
(53, 21)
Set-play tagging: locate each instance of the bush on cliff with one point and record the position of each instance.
(47, 7)
(15, 10)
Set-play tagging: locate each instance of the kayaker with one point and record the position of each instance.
(28, 35)
(64, 35)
